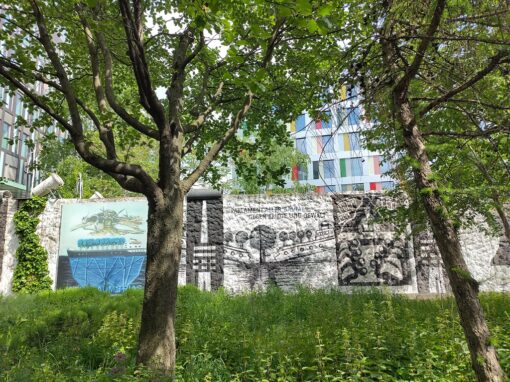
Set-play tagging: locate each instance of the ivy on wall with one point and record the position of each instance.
(31, 273)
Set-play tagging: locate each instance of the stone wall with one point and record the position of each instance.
(8, 244)
(244, 243)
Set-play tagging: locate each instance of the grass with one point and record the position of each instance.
(87, 335)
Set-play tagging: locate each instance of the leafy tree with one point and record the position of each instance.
(182, 75)
(258, 171)
(434, 74)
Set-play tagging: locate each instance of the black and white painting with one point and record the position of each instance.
(369, 250)
(285, 240)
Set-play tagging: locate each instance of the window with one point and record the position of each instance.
(24, 145)
(355, 141)
(19, 106)
(353, 116)
(301, 145)
(21, 171)
(385, 165)
(323, 169)
(374, 186)
(353, 187)
(328, 188)
(329, 169)
(351, 167)
(302, 173)
(6, 135)
(300, 123)
(329, 123)
(387, 185)
(7, 100)
(350, 142)
(15, 139)
(316, 169)
(327, 144)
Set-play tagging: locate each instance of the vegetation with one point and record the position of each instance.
(434, 75)
(200, 69)
(31, 272)
(87, 335)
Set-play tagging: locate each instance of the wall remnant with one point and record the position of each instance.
(244, 243)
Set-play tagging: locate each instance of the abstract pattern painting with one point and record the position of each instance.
(369, 250)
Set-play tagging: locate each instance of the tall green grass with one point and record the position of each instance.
(87, 335)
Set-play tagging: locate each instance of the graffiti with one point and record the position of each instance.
(247, 243)
(369, 250)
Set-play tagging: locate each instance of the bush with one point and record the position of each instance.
(88, 335)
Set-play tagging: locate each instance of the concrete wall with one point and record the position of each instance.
(245, 243)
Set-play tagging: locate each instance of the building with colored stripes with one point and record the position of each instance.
(339, 161)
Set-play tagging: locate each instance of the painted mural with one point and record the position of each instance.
(244, 243)
(204, 243)
(282, 240)
(103, 245)
(369, 251)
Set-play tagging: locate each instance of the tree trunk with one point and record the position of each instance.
(156, 347)
(465, 289)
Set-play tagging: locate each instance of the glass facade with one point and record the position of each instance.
(335, 145)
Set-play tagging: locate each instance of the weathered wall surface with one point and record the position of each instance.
(244, 243)
(8, 244)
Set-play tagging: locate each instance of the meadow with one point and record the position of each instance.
(88, 335)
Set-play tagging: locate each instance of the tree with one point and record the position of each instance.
(425, 68)
(180, 74)
(258, 171)
(61, 157)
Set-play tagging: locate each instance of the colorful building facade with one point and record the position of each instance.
(339, 160)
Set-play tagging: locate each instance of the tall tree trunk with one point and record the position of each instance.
(465, 289)
(156, 346)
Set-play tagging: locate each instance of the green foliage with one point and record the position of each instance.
(466, 132)
(87, 335)
(31, 273)
(60, 157)
(259, 171)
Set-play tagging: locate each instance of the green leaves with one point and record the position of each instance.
(304, 7)
(31, 272)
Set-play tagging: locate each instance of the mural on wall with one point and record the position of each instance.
(103, 245)
(280, 240)
(502, 257)
(246, 243)
(204, 243)
(369, 252)
(431, 276)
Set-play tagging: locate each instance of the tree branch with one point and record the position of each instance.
(110, 95)
(422, 47)
(134, 32)
(216, 148)
(147, 185)
(493, 63)
(199, 121)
